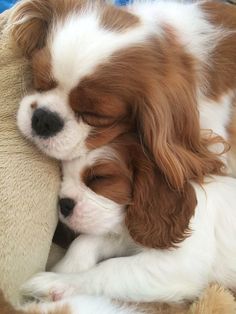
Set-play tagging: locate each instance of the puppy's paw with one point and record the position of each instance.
(47, 287)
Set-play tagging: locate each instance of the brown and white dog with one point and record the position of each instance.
(140, 67)
(120, 179)
(117, 198)
(164, 69)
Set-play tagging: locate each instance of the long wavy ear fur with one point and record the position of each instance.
(29, 23)
(159, 215)
(173, 137)
(168, 116)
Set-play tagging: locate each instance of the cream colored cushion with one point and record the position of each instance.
(29, 181)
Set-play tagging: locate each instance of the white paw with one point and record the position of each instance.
(47, 287)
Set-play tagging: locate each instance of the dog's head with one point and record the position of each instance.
(119, 185)
(76, 105)
(100, 71)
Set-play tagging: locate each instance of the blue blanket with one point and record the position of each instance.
(122, 2)
(6, 4)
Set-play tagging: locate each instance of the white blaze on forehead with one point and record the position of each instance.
(74, 168)
(73, 185)
(80, 44)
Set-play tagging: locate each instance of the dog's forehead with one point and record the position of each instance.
(80, 43)
(76, 167)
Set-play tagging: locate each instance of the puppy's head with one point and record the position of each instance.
(71, 108)
(119, 185)
(95, 191)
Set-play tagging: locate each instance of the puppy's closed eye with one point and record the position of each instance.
(94, 119)
(96, 178)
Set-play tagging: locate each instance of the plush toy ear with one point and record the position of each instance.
(159, 215)
(29, 23)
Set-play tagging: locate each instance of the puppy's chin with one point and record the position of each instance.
(67, 144)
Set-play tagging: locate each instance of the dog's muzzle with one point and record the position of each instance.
(46, 123)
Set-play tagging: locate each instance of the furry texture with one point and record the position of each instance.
(217, 300)
(106, 260)
(162, 69)
(121, 177)
(29, 181)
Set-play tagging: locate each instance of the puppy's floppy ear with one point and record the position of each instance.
(170, 130)
(29, 23)
(168, 116)
(158, 216)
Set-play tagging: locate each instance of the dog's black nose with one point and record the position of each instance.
(66, 206)
(46, 123)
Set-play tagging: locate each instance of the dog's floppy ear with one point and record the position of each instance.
(159, 215)
(168, 117)
(168, 120)
(29, 23)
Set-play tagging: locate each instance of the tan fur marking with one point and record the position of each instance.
(222, 71)
(232, 135)
(106, 113)
(32, 20)
(111, 180)
(42, 74)
(153, 87)
(157, 216)
(118, 20)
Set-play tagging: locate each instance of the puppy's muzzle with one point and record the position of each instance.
(66, 206)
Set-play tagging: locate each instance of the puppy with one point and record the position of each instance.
(117, 197)
(164, 69)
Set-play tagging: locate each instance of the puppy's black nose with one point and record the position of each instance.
(46, 123)
(66, 206)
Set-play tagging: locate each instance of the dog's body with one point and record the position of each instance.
(127, 270)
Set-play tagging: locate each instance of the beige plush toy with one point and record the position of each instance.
(29, 183)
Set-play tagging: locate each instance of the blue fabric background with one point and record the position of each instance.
(6, 4)
(122, 2)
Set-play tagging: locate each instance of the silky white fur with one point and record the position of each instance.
(81, 305)
(80, 44)
(111, 264)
